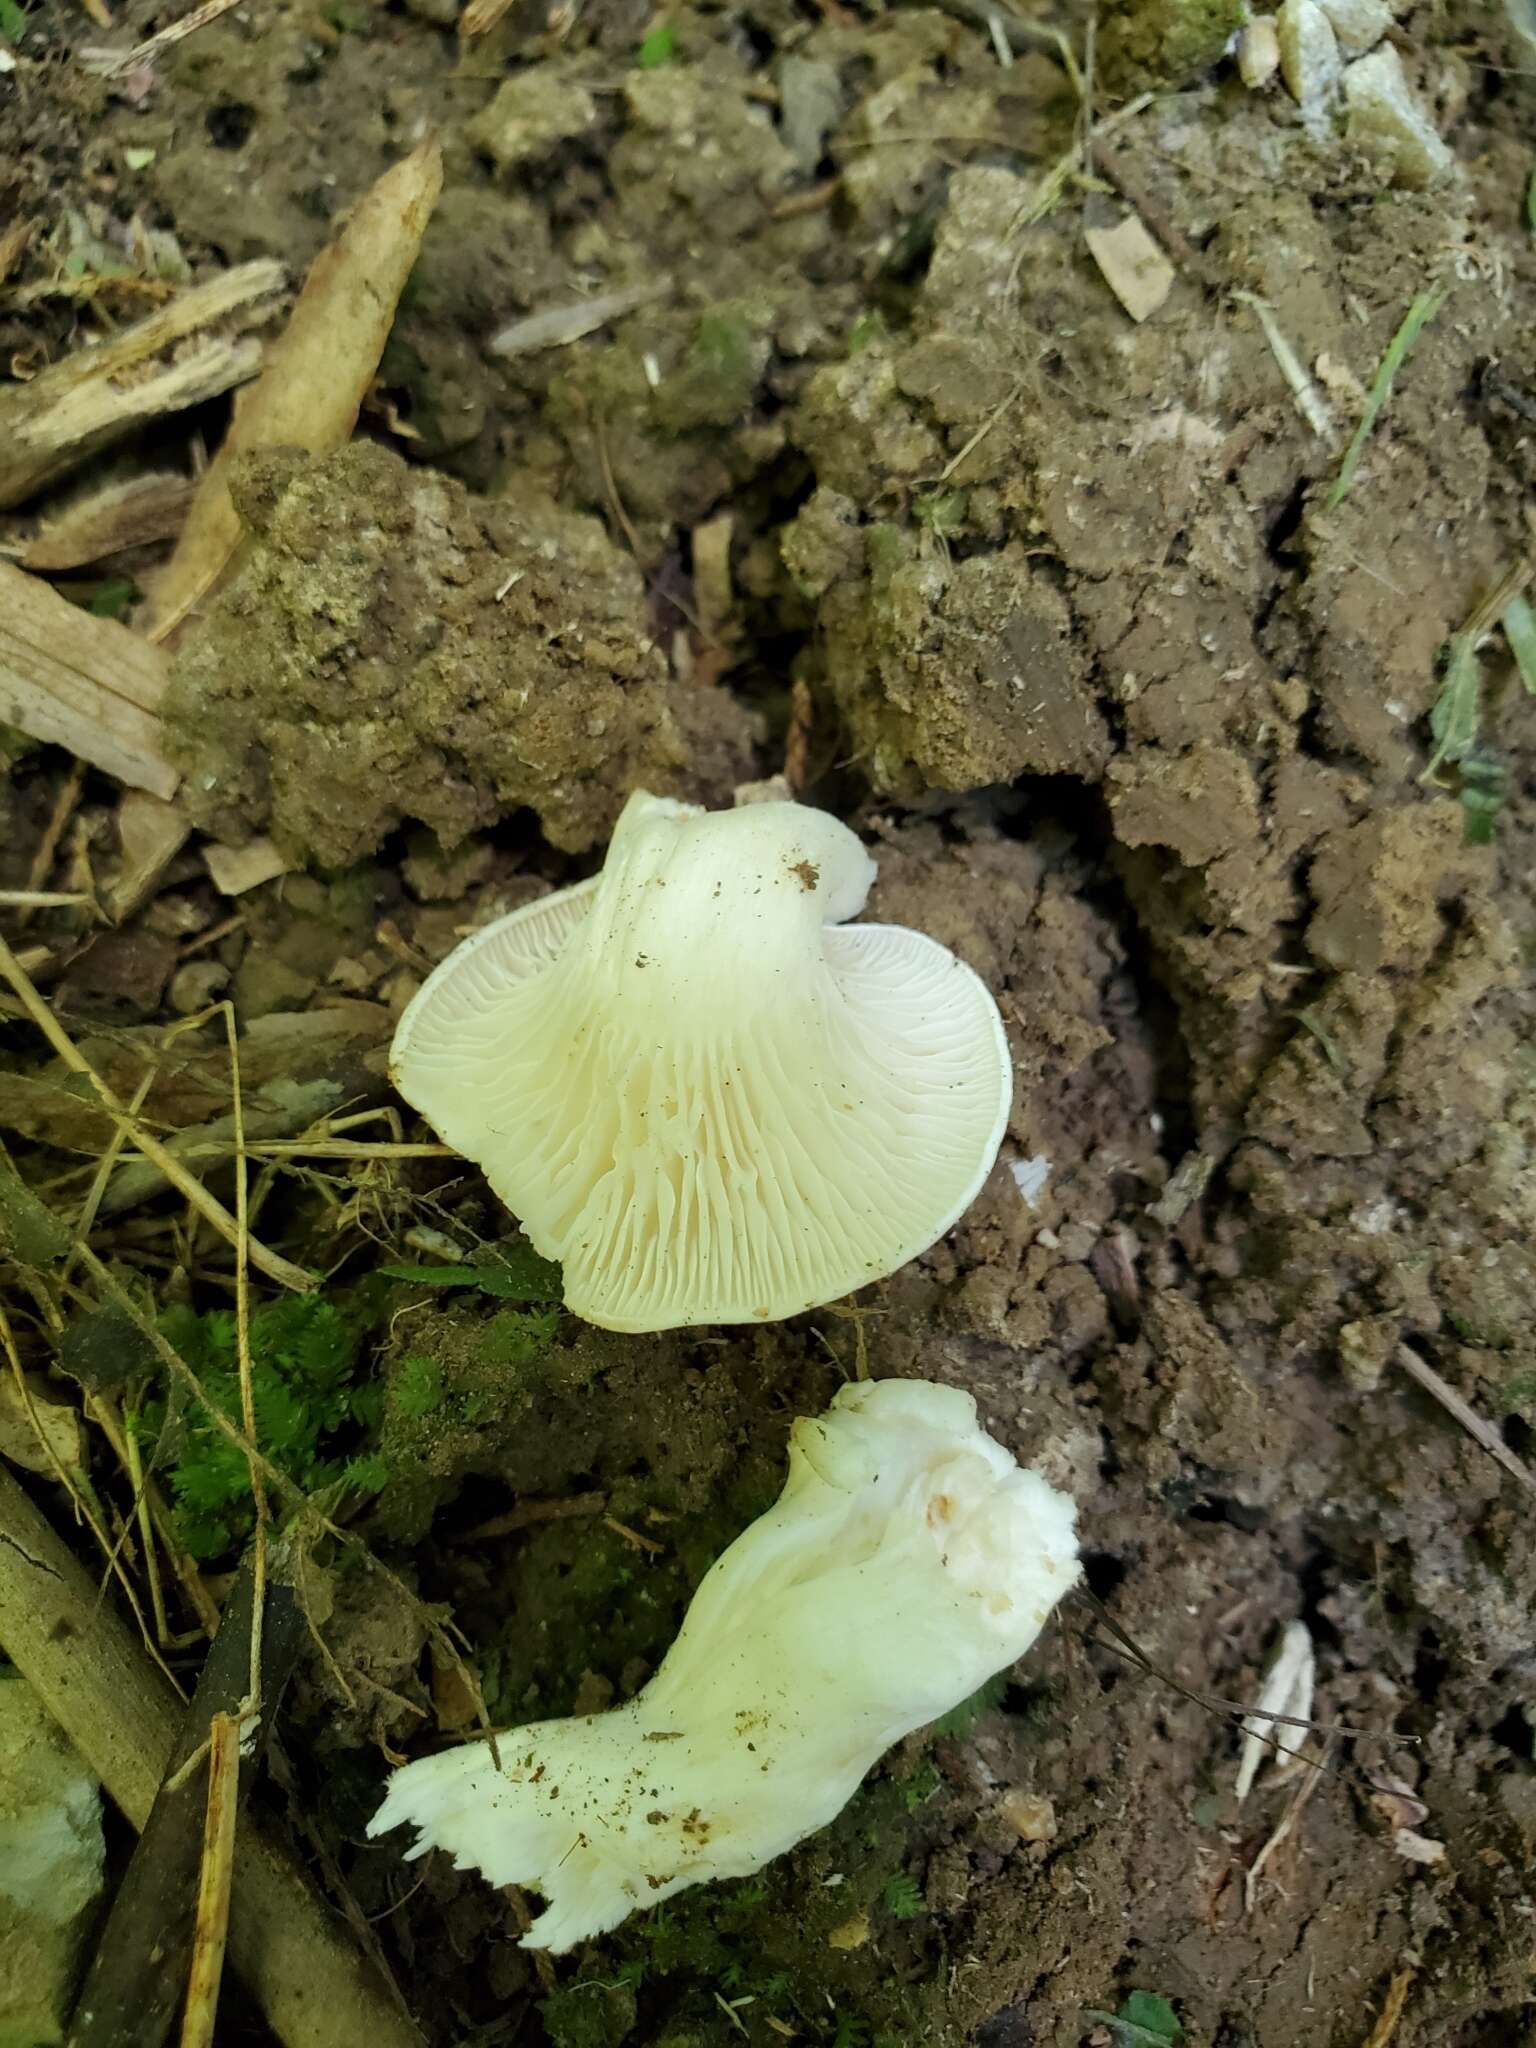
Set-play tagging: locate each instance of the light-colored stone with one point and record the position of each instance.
(1383, 108)
(530, 115)
(1310, 62)
(51, 1861)
(1358, 24)
(1258, 52)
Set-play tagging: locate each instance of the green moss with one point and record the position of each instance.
(717, 380)
(305, 1351)
(1173, 40)
(417, 1386)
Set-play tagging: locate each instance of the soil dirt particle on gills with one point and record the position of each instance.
(396, 649)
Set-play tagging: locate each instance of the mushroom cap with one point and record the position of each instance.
(702, 1093)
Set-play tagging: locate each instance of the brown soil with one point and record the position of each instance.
(1051, 607)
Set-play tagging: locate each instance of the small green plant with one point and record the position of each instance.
(960, 1721)
(304, 1354)
(657, 47)
(903, 1898)
(13, 22)
(417, 1386)
(511, 1273)
(1145, 2020)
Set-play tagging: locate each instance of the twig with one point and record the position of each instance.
(529, 1512)
(80, 682)
(1392, 2007)
(247, 1372)
(1480, 1431)
(63, 810)
(1415, 320)
(271, 1263)
(146, 1951)
(214, 1883)
(284, 1940)
(87, 1513)
(1288, 1820)
(109, 63)
(102, 393)
(1310, 402)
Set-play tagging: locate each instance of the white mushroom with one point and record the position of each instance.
(907, 1560)
(697, 1088)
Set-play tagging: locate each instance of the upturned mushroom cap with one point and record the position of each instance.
(699, 1090)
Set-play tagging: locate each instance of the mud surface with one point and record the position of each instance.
(876, 485)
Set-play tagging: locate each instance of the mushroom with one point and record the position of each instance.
(698, 1088)
(906, 1561)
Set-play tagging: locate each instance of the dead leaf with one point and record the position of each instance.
(316, 374)
(51, 1426)
(1133, 266)
(151, 833)
(235, 869)
(83, 683)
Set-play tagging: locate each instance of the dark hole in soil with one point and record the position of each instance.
(1284, 527)
(1513, 1731)
(1103, 1574)
(229, 124)
(1519, 1435)
(1236, 1514)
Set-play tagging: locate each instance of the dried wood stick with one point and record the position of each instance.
(285, 1941)
(83, 683)
(212, 1932)
(317, 373)
(147, 1951)
(1481, 1432)
(101, 393)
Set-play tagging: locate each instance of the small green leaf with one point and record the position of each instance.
(111, 599)
(13, 23)
(1457, 712)
(1150, 2011)
(657, 47)
(516, 1274)
(903, 1898)
(1519, 623)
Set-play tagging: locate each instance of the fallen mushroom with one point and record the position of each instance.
(906, 1561)
(697, 1088)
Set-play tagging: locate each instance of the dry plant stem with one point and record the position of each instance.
(1316, 1766)
(317, 373)
(271, 1263)
(100, 394)
(243, 1353)
(1392, 2007)
(82, 1506)
(83, 683)
(122, 1717)
(212, 1929)
(63, 810)
(146, 1950)
(1480, 1431)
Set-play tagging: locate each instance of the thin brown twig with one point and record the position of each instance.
(76, 1494)
(63, 810)
(1392, 2007)
(277, 1268)
(1480, 1431)
(215, 1880)
(1309, 1784)
(243, 1355)
(528, 1513)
